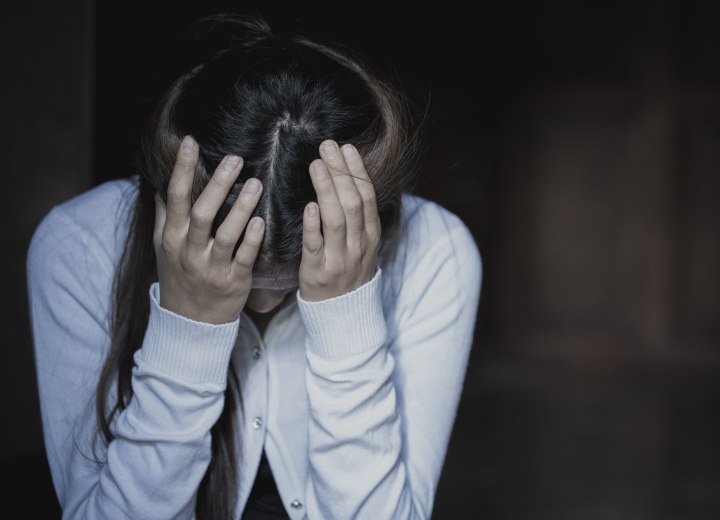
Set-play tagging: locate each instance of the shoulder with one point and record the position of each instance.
(422, 216)
(435, 277)
(89, 227)
(436, 252)
(429, 229)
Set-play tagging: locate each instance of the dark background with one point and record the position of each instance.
(579, 141)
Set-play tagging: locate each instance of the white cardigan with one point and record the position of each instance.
(353, 398)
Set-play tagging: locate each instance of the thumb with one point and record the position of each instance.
(312, 253)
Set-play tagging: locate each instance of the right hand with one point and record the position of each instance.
(199, 277)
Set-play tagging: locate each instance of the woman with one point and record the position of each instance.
(262, 321)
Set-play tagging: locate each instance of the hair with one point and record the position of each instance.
(271, 99)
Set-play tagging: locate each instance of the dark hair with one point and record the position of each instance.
(271, 99)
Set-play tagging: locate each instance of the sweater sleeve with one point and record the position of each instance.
(161, 449)
(383, 402)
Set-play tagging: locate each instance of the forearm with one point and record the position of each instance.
(383, 402)
(356, 460)
(355, 433)
(162, 446)
(154, 465)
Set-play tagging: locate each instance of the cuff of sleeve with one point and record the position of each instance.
(190, 350)
(345, 325)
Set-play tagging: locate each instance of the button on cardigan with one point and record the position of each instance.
(352, 398)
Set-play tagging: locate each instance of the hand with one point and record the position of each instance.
(344, 256)
(198, 276)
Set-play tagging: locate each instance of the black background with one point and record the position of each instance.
(617, 428)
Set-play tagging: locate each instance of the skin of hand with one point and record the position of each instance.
(198, 275)
(344, 256)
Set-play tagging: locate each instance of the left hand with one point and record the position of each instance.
(344, 256)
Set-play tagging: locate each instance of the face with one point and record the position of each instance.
(270, 287)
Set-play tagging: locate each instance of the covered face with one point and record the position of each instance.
(271, 284)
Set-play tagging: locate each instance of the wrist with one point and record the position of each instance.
(348, 324)
(189, 307)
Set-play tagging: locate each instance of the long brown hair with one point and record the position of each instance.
(272, 100)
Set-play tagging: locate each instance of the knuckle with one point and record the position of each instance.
(185, 162)
(201, 215)
(245, 260)
(243, 263)
(167, 242)
(313, 247)
(369, 248)
(224, 239)
(318, 281)
(245, 204)
(253, 239)
(187, 265)
(337, 226)
(336, 169)
(326, 188)
(354, 206)
(174, 195)
(222, 179)
(343, 265)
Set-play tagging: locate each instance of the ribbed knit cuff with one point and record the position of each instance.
(189, 350)
(348, 324)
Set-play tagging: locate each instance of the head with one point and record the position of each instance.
(272, 100)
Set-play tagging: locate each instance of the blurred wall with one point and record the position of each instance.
(47, 105)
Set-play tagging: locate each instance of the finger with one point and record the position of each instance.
(180, 186)
(347, 192)
(248, 250)
(365, 187)
(211, 199)
(229, 232)
(160, 217)
(312, 253)
(330, 209)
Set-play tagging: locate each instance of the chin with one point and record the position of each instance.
(261, 309)
(264, 303)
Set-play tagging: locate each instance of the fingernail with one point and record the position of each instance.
(318, 170)
(312, 210)
(232, 161)
(256, 224)
(330, 147)
(252, 186)
(188, 143)
(348, 151)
